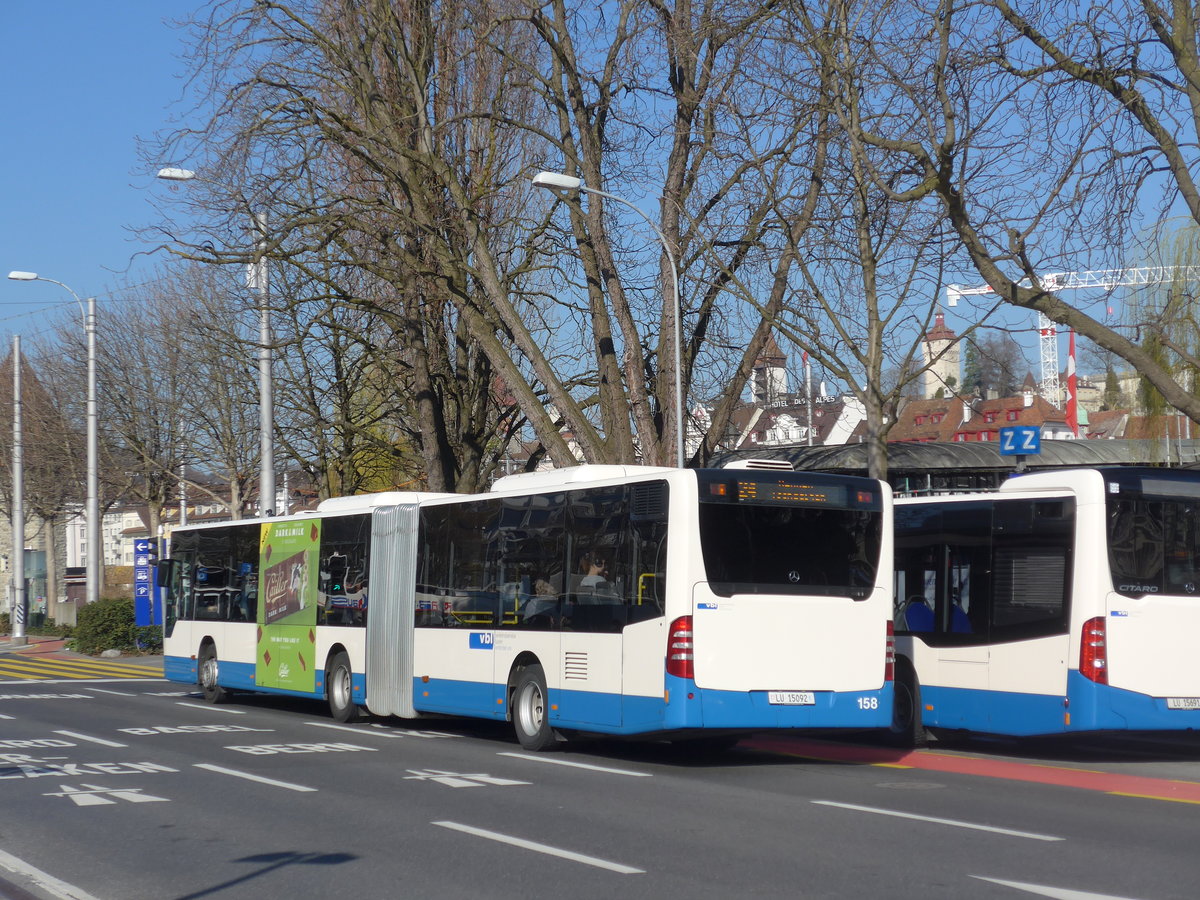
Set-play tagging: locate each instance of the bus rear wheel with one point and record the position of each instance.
(208, 670)
(339, 688)
(530, 712)
(907, 730)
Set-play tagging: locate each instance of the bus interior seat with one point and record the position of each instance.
(917, 615)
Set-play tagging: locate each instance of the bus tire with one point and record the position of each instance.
(907, 731)
(208, 671)
(530, 711)
(339, 689)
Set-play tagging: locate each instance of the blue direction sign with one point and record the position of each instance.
(1020, 440)
(147, 606)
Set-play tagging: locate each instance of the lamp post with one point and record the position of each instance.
(18, 505)
(556, 181)
(92, 509)
(256, 279)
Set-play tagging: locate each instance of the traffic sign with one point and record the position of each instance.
(1020, 440)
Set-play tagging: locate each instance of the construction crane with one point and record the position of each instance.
(1057, 282)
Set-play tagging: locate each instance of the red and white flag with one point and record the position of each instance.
(1072, 389)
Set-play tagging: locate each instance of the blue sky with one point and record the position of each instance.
(80, 81)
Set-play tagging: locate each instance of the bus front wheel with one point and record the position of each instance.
(209, 671)
(339, 688)
(530, 713)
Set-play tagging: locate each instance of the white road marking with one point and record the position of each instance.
(1056, 893)
(459, 779)
(352, 729)
(955, 823)
(213, 708)
(575, 765)
(414, 732)
(271, 781)
(382, 731)
(95, 740)
(58, 889)
(542, 848)
(2, 716)
(95, 795)
(117, 693)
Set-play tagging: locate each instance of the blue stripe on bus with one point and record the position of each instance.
(240, 677)
(1092, 707)
(609, 713)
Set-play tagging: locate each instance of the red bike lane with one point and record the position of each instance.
(934, 761)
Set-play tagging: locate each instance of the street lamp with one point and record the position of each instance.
(256, 278)
(556, 181)
(92, 510)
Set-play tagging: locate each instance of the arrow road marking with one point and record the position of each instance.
(95, 795)
(458, 780)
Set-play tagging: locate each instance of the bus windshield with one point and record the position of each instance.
(789, 534)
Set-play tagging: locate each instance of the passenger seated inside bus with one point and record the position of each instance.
(541, 611)
(591, 585)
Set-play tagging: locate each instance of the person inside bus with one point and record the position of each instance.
(595, 570)
(541, 612)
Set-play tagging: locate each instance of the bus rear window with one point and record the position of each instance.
(760, 549)
(1154, 545)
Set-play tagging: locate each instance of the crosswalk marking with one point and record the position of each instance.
(14, 669)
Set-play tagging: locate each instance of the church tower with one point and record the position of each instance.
(943, 374)
(770, 375)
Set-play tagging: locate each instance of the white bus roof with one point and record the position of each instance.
(366, 502)
(524, 481)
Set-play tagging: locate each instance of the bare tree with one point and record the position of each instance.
(53, 455)
(1044, 136)
(399, 139)
(143, 379)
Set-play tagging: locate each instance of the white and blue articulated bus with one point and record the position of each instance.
(614, 600)
(1066, 601)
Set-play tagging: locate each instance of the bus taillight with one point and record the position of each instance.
(889, 654)
(680, 649)
(1093, 651)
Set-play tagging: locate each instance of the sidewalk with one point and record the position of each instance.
(44, 645)
(35, 644)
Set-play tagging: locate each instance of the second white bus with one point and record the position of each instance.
(1067, 601)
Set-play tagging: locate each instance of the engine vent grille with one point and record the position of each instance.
(575, 665)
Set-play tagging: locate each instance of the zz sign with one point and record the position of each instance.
(1020, 440)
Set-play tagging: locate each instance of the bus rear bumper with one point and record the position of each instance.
(693, 707)
(1101, 707)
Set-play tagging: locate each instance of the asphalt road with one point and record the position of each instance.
(137, 789)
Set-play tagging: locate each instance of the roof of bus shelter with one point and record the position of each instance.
(916, 467)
